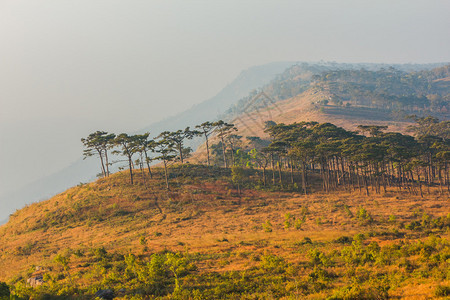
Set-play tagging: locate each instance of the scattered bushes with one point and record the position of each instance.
(360, 264)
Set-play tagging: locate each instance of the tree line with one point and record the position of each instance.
(368, 159)
(389, 89)
(141, 150)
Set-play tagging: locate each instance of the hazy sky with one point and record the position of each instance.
(68, 68)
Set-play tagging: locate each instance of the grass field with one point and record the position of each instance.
(201, 240)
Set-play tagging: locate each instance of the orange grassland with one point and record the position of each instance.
(203, 213)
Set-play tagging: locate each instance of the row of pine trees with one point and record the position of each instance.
(141, 150)
(368, 159)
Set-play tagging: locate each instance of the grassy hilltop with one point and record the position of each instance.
(203, 240)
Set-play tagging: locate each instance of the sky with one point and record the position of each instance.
(68, 68)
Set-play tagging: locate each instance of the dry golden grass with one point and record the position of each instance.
(204, 216)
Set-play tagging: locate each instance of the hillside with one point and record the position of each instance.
(305, 107)
(85, 170)
(295, 84)
(391, 89)
(308, 207)
(203, 238)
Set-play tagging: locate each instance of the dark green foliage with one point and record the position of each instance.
(4, 291)
(344, 240)
(442, 291)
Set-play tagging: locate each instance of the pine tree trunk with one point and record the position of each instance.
(103, 165)
(358, 178)
(446, 177)
(279, 172)
(419, 182)
(107, 163)
(232, 156)
(304, 178)
(141, 166)
(292, 172)
(224, 154)
(180, 149)
(365, 181)
(273, 168)
(130, 164)
(207, 147)
(384, 177)
(264, 176)
(344, 181)
(165, 175)
(148, 165)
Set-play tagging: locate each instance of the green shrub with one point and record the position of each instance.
(319, 221)
(344, 240)
(347, 210)
(78, 253)
(359, 238)
(392, 219)
(319, 275)
(304, 211)
(267, 226)
(414, 225)
(363, 216)
(272, 263)
(287, 220)
(306, 240)
(4, 291)
(318, 258)
(442, 291)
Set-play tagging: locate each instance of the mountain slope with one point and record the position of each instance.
(107, 235)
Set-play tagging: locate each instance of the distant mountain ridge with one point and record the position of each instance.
(402, 85)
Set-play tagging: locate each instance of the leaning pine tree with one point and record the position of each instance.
(165, 149)
(98, 143)
(128, 146)
(206, 129)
